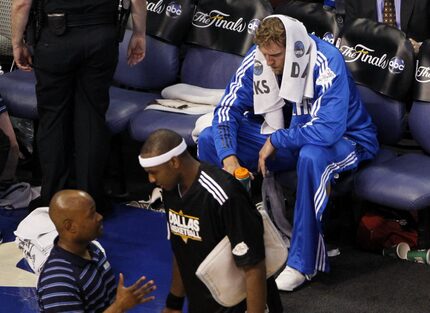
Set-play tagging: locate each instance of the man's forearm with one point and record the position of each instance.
(256, 287)
(20, 12)
(138, 16)
(177, 286)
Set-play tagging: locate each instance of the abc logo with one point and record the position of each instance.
(396, 65)
(173, 9)
(253, 25)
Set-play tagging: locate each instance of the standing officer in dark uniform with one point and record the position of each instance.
(74, 61)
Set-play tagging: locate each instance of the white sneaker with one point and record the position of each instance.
(289, 279)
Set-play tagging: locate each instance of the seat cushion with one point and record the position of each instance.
(146, 121)
(124, 104)
(402, 182)
(17, 89)
(208, 68)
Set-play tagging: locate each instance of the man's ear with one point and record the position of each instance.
(175, 162)
(69, 225)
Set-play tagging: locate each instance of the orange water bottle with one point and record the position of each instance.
(242, 175)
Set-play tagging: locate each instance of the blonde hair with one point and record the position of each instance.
(270, 30)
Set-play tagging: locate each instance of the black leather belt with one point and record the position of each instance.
(86, 19)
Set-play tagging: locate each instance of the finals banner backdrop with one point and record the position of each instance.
(169, 20)
(379, 57)
(422, 73)
(227, 25)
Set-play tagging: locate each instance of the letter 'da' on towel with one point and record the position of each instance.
(225, 280)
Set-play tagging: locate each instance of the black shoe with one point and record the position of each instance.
(1, 237)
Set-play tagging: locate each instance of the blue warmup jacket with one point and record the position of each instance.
(335, 112)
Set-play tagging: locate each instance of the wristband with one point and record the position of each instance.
(174, 302)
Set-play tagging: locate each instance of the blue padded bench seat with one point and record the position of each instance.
(401, 183)
(147, 121)
(18, 93)
(201, 67)
(19, 96)
(124, 104)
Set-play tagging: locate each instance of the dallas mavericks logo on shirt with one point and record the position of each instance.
(253, 25)
(173, 10)
(299, 49)
(184, 226)
(329, 37)
(396, 65)
(258, 68)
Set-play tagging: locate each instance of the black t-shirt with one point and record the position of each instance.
(216, 205)
(82, 6)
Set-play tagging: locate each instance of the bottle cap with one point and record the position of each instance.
(241, 173)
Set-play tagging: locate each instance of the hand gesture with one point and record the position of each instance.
(129, 297)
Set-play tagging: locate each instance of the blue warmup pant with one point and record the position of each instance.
(315, 167)
(249, 143)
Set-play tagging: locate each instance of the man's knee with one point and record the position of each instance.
(205, 145)
(312, 155)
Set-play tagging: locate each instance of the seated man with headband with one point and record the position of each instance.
(292, 95)
(203, 205)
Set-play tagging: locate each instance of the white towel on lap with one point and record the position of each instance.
(297, 77)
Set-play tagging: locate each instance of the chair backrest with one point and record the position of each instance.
(421, 88)
(159, 69)
(208, 68)
(419, 117)
(316, 17)
(227, 25)
(169, 20)
(419, 124)
(379, 56)
(388, 114)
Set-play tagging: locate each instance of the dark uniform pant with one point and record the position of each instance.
(73, 73)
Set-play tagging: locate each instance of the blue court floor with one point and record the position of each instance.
(135, 243)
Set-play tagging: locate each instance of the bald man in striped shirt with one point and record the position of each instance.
(77, 277)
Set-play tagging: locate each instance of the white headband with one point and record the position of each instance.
(163, 158)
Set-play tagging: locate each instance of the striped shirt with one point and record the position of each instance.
(69, 283)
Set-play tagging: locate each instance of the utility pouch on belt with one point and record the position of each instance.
(57, 23)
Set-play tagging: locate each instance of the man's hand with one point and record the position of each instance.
(136, 49)
(416, 45)
(265, 152)
(129, 297)
(22, 57)
(230, 164)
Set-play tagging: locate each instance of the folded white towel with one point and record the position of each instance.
(193, 94)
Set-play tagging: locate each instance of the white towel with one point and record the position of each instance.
(297, 78)
(193, 94)
(187, 99)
